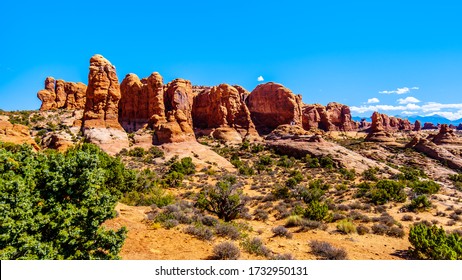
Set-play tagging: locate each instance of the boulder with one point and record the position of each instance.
(223, 108)
(272, 104)
(16, 134)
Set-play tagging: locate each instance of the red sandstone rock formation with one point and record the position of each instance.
(100, 123)
(333, 117)
(178, 100)
(142, 102)
(377, 131)
(272, 105)
(222, 108)
(417, 125)
(429, 125)
(16, 133)
(59, 94)
(446, 135)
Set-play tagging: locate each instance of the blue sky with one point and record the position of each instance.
(397, 57)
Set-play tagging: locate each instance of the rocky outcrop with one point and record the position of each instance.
(333, 117)
(316, 147)
(429, 125)
(272, 105)
(59, 94)
(417, 126)
(16, 134)
(100, 124)
(57, 141)
(459, 127)
(437, 152)
(223, 110)
(178, 100)
(142, 102)
(377, 131)
(391, 124)
(446, 135)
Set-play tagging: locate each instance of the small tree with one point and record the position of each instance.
(224, 199)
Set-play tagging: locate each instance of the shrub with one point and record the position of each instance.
(265, 160)
(184, 166)
(173, 179)
(371, 174)
(326, 251)
(260, 215)
(348, 174)
(282, 257)
(154, 195)
(281, 231)
(256, 148)
(361, 230)
(380, 229)
(434, 243)
(382, 192)
(327, 162)
(396, 232)
(227, 230)
(286, 162)
(226, 251)
(155, 152)
(137, 152)
(346, 226)
(255, 246)
(224, 200)
(209, 221)
(309, 194)
(246, 170)
(53, 204)
(407, 218)
(419, 204)
(425, 187)
(200, 232)
(294, 221)
(410, 173)
(312, 162)
(317, 211)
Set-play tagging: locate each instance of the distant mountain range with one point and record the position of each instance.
(435, 119)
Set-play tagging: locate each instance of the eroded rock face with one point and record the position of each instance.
(459, 127)
(417, 125)
(333, 117)
(222, 108)
(178, 100)
(100, 123)
(16, 134)
(435, 151)
(272, 105)
(377, 131)
(429, 125)
(142, 102)
(59, 94)
(446, 135)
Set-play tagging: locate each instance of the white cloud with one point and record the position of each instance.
(449, 115)
(452, 111)
(260, 79)
(372, 108)
(409, 113)
(402, 90)
(373, 100)
(408, 100)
